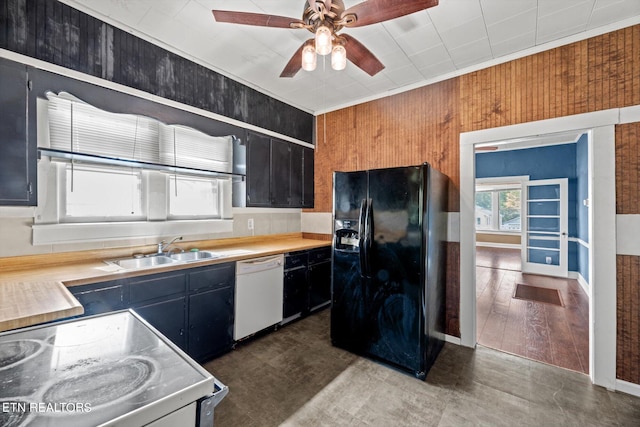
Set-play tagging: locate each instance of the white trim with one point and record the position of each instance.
(630, 114)
(499, 245)
(627, 387)
(99, 232)
(603, 278)
(580, 242)
(627, 232)
(487, 64)
(452, 339)
(602, 256)
(581, 281)
(46, 66)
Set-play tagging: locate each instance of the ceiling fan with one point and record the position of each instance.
(325, 18)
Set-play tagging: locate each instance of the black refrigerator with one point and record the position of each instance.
(389, 260)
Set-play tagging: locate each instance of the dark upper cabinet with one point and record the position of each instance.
(307, 177)
(258, 170)
(279, 173)
(17, 139)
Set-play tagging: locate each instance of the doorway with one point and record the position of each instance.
(526, 303)
(602, 272)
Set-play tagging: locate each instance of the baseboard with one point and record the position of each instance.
(627, 387)
(581, 280)
(452, 339)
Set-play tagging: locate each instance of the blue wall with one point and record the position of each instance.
(556, 161)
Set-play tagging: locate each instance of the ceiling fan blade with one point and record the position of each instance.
(258, 19)
(361, 56)
(295, 63)
(374, 11)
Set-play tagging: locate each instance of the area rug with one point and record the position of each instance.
(534, 293)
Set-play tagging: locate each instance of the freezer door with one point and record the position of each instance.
(349, 189)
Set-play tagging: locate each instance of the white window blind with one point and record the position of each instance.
(186, 147)
(82, 128)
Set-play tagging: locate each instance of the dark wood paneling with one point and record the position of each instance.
(452, 306)
(628, 318)
(56, 33)
(628, 169)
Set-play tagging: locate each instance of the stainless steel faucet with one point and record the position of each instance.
(163, 245)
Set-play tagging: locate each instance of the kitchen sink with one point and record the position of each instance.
(195, 256)
(131, 263)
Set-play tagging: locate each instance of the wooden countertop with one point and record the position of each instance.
(29, 303)
(31, 287)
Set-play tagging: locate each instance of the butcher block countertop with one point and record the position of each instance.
(32, 288)
(29, 303)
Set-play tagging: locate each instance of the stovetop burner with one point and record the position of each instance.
(13, 353)
(102, 384)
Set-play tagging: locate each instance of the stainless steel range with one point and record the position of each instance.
(106, 370)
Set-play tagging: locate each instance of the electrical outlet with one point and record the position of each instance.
(548, 260)
(250, 224)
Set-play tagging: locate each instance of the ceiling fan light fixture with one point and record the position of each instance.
(338, 57)
(323, 40)
(309, 58)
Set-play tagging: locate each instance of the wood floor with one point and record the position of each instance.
(543, 332)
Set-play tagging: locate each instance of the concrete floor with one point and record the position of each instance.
(294, 377)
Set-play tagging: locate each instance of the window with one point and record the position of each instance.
(192, 197)
(498, 209)
(97, 193)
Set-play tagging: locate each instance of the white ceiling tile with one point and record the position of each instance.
(437, 69)
(558, 23)
(464, 34)
(419, 39)
(454, 13)
(406, 23)
(435, 55)
(512, 27)
(471, 53)
(405, 75)
(496, 11)
(608, 11)
(520, 42)
(552, 7)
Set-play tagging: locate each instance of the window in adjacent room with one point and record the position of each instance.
(498, 210)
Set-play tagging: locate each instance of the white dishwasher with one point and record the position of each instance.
(258, 297)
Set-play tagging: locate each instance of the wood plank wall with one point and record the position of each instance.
(628, 267)
(423, 125)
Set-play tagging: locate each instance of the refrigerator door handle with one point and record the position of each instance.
(362, 232)
(368, 236)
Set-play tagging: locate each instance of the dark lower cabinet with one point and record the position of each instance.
(210, 323)
(102, 297)
(193, 308)
(307, 282)
(211, 296)
(168, 318)
(319, 277)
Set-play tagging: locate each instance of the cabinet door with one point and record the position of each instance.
(297, 179)
(210, 323)
(258, 172)
(307, 178)
(319, 285)
(296, 296)
(168, 317)
(280, 173)
(18, 159)
(101, 297)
